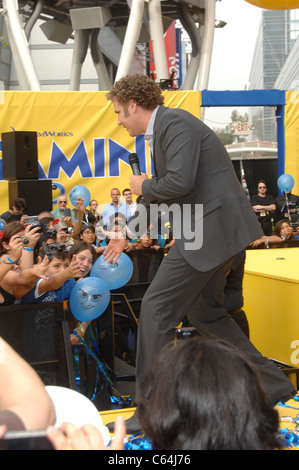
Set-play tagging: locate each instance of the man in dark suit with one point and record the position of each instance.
(191, 170)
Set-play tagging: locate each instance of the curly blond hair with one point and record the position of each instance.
(139, 88)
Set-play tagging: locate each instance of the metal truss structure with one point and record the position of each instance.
(85, 19)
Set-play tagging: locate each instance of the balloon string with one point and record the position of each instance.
(105, 370)
(92, 339)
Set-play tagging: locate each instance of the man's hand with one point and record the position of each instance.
(136, 183)
(33, 235)
(41, 267)
(114, 249)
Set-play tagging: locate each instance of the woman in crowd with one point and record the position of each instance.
(88, 234)
(282, 232)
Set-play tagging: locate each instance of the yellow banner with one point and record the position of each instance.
(79, 141)
(292, 137)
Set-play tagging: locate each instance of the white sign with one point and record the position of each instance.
(240, 128)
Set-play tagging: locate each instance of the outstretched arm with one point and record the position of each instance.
(23, 393)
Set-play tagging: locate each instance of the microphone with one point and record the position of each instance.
(134, 163)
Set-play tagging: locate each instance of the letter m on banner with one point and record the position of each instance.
(59, 161)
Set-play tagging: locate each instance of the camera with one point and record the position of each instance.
(51, 233)
(25, 241)
(53, 248)
(68, 229)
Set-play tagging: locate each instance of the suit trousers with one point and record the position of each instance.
(179, 290)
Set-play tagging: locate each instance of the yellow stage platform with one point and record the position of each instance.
(110, 416)
(271, 302)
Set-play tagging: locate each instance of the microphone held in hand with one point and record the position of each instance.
(134, 163)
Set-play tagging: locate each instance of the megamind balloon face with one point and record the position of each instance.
(89, 299)
(115, 275)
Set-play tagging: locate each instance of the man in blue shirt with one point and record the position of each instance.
(115, 206)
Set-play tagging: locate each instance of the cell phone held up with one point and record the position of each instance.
(34, 221)
(67, 212)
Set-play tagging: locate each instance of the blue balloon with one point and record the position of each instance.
(89, 298)
(80, 191)
(115, 275)
(285, 183)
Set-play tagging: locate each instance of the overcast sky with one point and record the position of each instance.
(232, 53)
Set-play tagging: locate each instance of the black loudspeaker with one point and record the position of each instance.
(40, 334)
(37, 193)
(19, 155)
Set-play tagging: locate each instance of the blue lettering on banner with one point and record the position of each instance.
(99, 157)
(79, 159)
(61, 189)
(118, 152)
(59, 161)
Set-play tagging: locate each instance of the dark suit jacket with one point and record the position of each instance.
(191, 166)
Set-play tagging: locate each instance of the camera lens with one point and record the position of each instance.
(25, 241)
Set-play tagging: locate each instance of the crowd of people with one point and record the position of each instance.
(41, 262)
(31, 255)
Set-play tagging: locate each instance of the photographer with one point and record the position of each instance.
(23, 272)
(55, 231)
